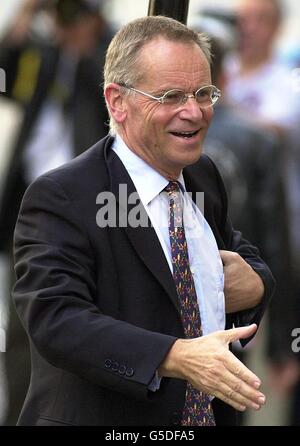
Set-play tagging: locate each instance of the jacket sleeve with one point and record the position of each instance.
(251, 255)
(55, 298)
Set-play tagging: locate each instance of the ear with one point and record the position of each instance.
(115, 102)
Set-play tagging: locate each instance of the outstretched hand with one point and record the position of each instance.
(207, 363)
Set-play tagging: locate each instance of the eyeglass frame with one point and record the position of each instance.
(186, 96)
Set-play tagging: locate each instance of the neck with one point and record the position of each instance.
(171, 173)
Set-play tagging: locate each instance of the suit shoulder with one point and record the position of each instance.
(82, 173)
(204, 176)
(206, 161)
(203, 168)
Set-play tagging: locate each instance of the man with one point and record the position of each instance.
(56, 82)
(112, 310)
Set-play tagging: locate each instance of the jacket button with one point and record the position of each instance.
(115, 366)
(122, 370)
(129, 372)
(107, 363)
(176, 419)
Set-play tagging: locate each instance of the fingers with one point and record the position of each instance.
(234, 334)
(237, 386)
(212, 368)
(239, 394)
(240, 371)
(233, 382)
(237, 400)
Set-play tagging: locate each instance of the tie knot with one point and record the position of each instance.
(173, 186)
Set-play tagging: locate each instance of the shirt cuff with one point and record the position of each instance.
(155, 383)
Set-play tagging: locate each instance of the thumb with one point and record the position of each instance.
(235, 334)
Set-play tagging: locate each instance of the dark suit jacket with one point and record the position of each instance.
(100, 305)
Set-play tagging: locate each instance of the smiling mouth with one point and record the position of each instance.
(185, 135)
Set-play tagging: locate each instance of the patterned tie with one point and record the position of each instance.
(197, 410)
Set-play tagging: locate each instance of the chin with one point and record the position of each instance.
(192, 157)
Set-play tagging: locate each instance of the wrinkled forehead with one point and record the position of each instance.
(162, 47)
(162, 58)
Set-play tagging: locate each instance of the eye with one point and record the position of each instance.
(204, 94)
(173, 97)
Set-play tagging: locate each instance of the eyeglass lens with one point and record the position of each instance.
(206, 97)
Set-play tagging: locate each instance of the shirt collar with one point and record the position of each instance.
(148, 182)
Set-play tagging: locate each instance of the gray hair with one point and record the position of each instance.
(121, 64)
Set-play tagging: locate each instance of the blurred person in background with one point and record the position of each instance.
(262, 87)
(242, 151)
(53, 55)
(254, 72)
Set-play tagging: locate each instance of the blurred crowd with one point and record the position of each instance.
(254, 139)
(53, 109)
(53, 55)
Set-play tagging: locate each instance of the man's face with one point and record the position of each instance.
(154, 130)
(258, 23)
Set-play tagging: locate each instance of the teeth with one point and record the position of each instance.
(188, 134)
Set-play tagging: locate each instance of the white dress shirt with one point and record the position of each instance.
(205, 262)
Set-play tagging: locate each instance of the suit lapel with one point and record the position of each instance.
(143, 239)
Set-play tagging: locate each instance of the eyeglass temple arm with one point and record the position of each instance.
(160, 99)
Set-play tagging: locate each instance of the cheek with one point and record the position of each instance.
(146, 114)
(208, 116)
(157, 122)
(163, 118)
(153, 115)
